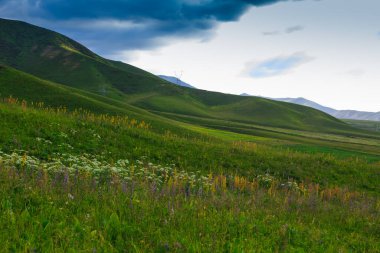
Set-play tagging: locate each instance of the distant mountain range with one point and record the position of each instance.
(340, 114)
(177, 81)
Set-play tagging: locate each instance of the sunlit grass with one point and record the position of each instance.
(72, 180)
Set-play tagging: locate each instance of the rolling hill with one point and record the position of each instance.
(54, 57)
(23, 86)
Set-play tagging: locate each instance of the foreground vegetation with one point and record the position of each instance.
(44, 132)
(156, 209)
(77, 181)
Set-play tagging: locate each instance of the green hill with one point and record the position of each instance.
(23, 86)
(54, 57)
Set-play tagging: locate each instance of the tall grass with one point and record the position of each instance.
(78, 114)
(63, 212)
(74, 181)
(44, 132)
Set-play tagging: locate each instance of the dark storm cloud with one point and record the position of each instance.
(174, 10)
(113, 25)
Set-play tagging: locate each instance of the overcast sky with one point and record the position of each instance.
(327, 51)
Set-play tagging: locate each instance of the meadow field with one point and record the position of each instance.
(72, 180)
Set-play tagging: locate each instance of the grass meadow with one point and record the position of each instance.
(74, 181)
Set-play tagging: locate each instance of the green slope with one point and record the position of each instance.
(90, 199)
(364, 124)
(54, 57)
(25, 86)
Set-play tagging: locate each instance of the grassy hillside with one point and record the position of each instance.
(364, 124)
(22, 86)
(32, 89)
(54, 57)
(191, 150)
(239, 109)
(77, 181)
(57, 58)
